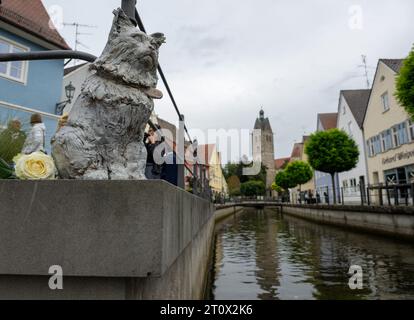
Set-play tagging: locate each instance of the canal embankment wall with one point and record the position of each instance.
(224, 211)
(112, 240)
(391, 221)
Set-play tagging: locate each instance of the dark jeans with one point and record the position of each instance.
(150, 173)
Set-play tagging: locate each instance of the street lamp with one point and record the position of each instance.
(70, 93)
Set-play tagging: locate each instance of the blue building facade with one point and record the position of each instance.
(27, 87)
(323, 181)
(323, 185)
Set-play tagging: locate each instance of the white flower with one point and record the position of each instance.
(34, 166)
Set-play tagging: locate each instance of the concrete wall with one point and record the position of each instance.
(393, 221)
(222, 212)
(113, 239)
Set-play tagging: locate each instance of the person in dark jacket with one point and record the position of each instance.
(170, 168)
(152, 140)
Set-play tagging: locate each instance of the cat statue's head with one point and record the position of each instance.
(130, 56)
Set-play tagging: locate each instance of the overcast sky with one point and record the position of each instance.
(224, 59)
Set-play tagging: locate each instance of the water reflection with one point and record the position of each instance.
(261, 254)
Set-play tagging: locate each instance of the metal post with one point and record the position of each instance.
(180, 155)
(412, 193)
(129, 8)
(388, 193)
(381, 201)
(406, 196)
(395, 196)
(342, 195)
(193, 181)
(327, 192)
(361, 188)
(368, 197)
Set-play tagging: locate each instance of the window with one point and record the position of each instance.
(399, 134)
(395, 137)
(386, 140)
(353, 184)
(370, 148)
(350, 128)
(390, 177)
(411, 129)
(344, 109)
(15, 70)
(410, 173)
(385, 101)
(376, 142)
(374, 146)
(402, 133)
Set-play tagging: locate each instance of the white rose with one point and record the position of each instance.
(35, 166)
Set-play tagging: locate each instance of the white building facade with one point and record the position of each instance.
(76, 76)
(351, 110)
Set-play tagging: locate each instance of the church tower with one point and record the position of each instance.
(267, 150)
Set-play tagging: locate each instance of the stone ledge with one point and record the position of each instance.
(96, 228)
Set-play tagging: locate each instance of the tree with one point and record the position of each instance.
(11, 141)
(233, 183)
(282, 180)
(299, 172)
(277, 188)
(236, 169)
(253, 188)
(405, 85)
(332, 151)
(231, 169)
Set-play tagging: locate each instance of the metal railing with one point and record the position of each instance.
(390, 194)
(379, 195)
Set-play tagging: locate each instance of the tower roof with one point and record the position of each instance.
(262, 123)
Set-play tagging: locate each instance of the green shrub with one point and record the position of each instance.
(253, 188)
(12, 139)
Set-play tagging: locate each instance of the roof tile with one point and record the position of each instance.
(394, 64)
(357, 101)
(280, 163)
(32, 17)
(328, 120)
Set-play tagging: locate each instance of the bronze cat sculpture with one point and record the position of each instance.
(104, 133)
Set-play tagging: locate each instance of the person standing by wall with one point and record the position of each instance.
(152, 141)
(35, 140)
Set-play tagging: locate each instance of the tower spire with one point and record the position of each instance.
(261, 113)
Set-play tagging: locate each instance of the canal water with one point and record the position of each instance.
(263, 254)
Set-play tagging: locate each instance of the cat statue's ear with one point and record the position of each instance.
(121, 23)
(158, 39)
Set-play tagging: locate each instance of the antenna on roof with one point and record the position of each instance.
(365, 66)
(77, 34)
